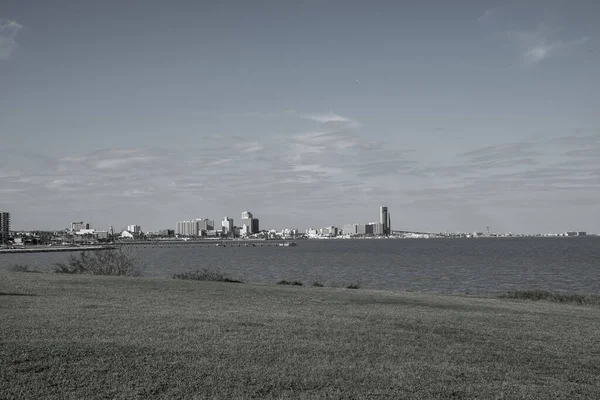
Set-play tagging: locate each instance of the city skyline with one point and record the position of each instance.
(482, 114)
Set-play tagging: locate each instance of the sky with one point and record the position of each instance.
(456, 115)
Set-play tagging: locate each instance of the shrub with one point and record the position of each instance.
(353, 286)
(317, 284)
(117, 262)
(206, 275)
(293, 283)
(22, 268)
(537, 295)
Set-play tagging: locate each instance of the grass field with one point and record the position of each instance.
(64, 336)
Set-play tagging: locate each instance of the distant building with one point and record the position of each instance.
(77, 226)
(350, 229)
(205, 225)
(251, 222)
(244, 230)
(581, 233)
(187, 228)
(571, 233)
(385, 220)
(329, 231)
(135, 229)
(4, 227)
(227, 225)
(166, 232)
(377, 228)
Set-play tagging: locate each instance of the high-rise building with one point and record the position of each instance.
(134, 229)
(77, 226)
(350, 229)
(205, 225)
(187, 228)
(227, 225)
(4, 226)
(385, 220)
(377, 228)
(251, 222)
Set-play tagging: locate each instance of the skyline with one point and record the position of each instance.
(456, 117)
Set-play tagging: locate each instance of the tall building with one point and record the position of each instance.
(377, 228)
(249, 221)
(205, 224)
(187, 228)
(4, 226)
(134, 229)
(227, 225)
(350, 229)
(385, 220)
(77, 226)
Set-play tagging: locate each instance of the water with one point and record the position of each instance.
(434, 265)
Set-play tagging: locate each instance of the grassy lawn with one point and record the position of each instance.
(78, 337)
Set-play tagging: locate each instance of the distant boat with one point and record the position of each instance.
(286, 244)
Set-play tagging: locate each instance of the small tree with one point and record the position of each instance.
(117, 262)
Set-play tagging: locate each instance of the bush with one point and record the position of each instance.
(317, 284)
(117, 262)
(537, 295)
(353, 286)
(293, 283)
(22, 268)
(206, 275)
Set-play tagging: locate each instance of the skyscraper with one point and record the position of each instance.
(227, 225)
(384, 219)
(249, 221)
(4, 226)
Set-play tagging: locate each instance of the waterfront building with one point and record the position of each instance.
(187, 228)
(244, 230)
(4, 226)
(227, 225)
(77, 226)
(385, 220)
(166, 232)
(251, 222)
(255, 226)
(331, 231)
(377, 228)
(205, 224)
(350, 229)
(135, 229)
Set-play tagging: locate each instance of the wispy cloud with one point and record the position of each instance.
(535, 41)
(540, 43)
(8, 34)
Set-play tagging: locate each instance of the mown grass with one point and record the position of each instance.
(556, 297)
(82, 336)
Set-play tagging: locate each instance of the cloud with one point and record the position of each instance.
(501, 152)
(536, 40)
(536, 45)
(8, 34)
(249, 147)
